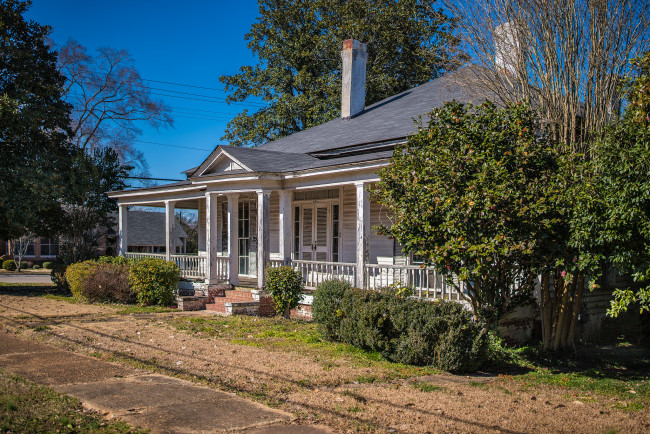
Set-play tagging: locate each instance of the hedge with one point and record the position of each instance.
(438, 333)
(9, 265)
(75, 276)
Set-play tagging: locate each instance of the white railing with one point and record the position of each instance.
(222, 264)
(425, 282)
(137, 255)
(315, 272)
(275, 263)
(191, 266)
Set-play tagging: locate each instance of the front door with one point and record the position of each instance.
(314, 245)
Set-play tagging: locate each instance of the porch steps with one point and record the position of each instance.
(236, 302)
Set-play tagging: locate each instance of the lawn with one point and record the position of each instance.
(27, 407)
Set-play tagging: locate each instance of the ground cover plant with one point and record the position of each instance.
(27, 407)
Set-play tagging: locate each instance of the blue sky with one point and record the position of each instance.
(191, 42)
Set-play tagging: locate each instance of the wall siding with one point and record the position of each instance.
(201, 225)
(274, 243)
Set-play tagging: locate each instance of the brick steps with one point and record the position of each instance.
(235, 302)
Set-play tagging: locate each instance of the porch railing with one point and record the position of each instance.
(425, 282)
(191, 266)
(315, 272)
(223, 268)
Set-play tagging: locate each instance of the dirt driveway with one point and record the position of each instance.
(338, 390)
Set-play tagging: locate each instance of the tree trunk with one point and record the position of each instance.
(560, 311)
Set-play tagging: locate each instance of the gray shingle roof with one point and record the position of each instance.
(386, 120)
(147, 228)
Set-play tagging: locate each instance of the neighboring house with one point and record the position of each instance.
(147, 233)
(303, 199)
(38, 251)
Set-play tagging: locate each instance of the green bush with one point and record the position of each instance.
(404, 330)
(154, 281)
(108, 283)
(75, 276)
(285, 286)
(58, 277)
(48, 265)
(9, 265)
(24, 266)
(118, 260)
(36, 267)
(326, 307)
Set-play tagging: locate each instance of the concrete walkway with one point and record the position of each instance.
(140, 398)
(24, 277)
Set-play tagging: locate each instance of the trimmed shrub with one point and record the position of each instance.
(108, 283)
(118, 260)
(9, 265)
(48, 265)
(154, 281)
(24, 265)
(58, 277)
(326, 307)
(75, 276)
(285, 286)
(36, 267)
(404, 330)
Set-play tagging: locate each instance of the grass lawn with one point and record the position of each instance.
(29, 408)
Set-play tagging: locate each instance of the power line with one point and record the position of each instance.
(173, 146)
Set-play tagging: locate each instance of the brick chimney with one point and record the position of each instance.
(353, 95)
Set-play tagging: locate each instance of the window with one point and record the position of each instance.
(49, 246)
(335, 233)
(296, 233)
(244, 237)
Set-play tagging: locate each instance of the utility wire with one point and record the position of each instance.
(174, 146)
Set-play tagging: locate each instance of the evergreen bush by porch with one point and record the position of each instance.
(439, 333)
(154, 281)
(285, 285)
(326, 307)
(9, 265)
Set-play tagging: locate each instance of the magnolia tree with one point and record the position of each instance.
(468, 192)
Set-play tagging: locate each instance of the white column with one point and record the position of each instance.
(285, 226)
(202, 225)
(263, 235)
(363, 232)
(211, 234)
(170, 222)
(122, 243)
(233, 242)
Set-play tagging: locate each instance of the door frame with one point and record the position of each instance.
(314, 204)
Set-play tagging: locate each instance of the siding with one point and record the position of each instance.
(201, 225)
(378, 245)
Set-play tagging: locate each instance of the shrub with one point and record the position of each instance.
(154, 281)
(326, 308)
(9, 265)
(108, 283)
(58, 277)
(118, 260)
(285, 285)
(48, 265)
(24, 266)
(75, 276)
(36, 267)
(405, 330)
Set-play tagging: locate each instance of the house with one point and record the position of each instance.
(147, 234)
(303, 199)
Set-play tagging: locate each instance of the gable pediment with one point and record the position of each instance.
(222, 163)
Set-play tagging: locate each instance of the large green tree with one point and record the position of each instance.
(34, 123)
(298, 43)
(468, 192)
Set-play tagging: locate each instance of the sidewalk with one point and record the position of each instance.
(160, 403)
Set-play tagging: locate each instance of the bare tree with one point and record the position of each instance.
(20, 247)
(565, 57)
(109, 100)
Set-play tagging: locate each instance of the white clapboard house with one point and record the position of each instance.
(302, 200)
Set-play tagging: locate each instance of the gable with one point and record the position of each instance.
(220, 163)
